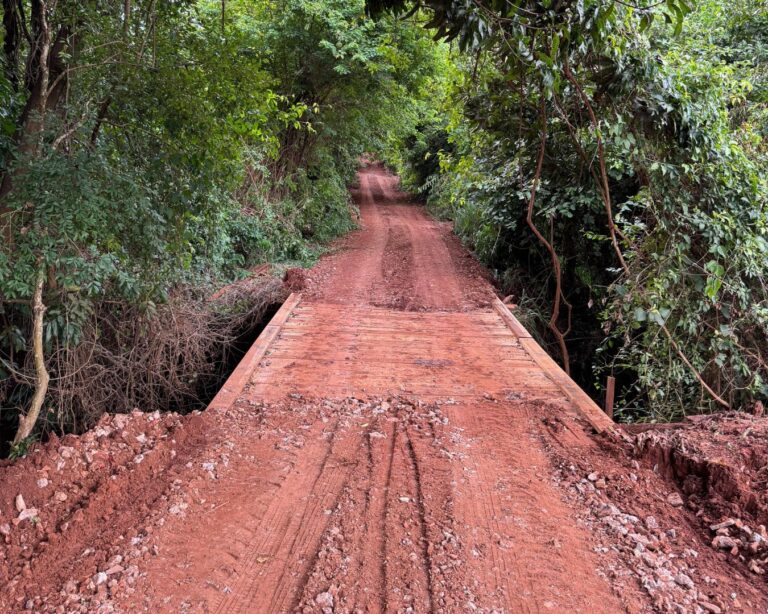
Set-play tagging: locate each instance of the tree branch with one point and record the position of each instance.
(604, 187)
(559, 336)
(696, 374)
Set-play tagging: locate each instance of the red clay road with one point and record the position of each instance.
(393, 442)
(388, 506)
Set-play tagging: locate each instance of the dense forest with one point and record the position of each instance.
(606, 159)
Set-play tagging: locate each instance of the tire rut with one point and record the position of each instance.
(287, 537)
(391, 544)
(397, 271)
(420, 504)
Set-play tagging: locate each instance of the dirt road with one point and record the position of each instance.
(395, 448)
(390, 505)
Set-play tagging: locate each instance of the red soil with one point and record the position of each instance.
(395, 450)
(401, 258)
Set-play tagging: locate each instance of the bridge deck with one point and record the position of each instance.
(331, 350)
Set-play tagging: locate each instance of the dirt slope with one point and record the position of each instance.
(395, 450)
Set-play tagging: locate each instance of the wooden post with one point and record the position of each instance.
(609, 395)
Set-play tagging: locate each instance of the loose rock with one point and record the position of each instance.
(324, 600)
(675, 500)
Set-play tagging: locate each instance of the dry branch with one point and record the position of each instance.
(128, 359)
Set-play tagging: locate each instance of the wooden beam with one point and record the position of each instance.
(511, 321)
(242, 374)
(610, 392)
(580, 399)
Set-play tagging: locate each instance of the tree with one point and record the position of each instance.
(650, 185)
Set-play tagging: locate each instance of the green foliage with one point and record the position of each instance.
(189, 146)
(681, 119)
(21, 449)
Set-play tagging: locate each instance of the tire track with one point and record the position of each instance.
(391, 544)
(287, 537)
(374, 562)
(407, 578)
(451, 588)
(420, 503)
(396, 288)
(351, 563)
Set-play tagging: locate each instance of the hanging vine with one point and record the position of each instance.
(559, 298)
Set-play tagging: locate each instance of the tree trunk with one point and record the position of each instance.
(37, 81)
(57, 67)
(100, 117)
(27, 421)
(12, 41)
(37, 72)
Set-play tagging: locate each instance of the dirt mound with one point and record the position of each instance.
(295, 280)
(720, 465)
(654, 537)
(75, 509)
(257, 285)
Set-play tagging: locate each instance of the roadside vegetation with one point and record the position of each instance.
(608, 160)
(151, 152)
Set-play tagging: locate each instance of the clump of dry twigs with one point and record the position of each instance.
(172, 359)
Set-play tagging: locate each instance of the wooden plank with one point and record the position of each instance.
(484, 329)
(405, 370)
(511, 321)
(507, 356)
(398, 316)
(478, 386)
(265, 392)
(342, 389)
(395, 336)
(331, 340)
(580, 399)
(234, 385)
(387, 313)
(382, 359)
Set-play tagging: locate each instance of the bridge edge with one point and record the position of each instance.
(239, 378)
(599, 420)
